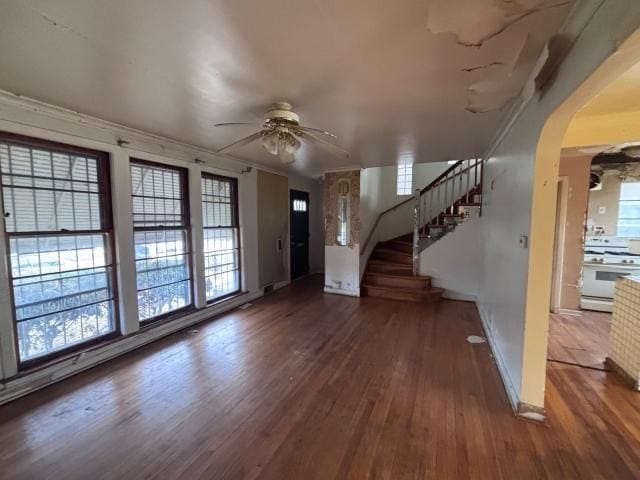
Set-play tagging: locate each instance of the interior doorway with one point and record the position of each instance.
(571, 124)
(559, 240)
(299, 233)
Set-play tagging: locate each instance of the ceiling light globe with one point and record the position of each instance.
(270, 143)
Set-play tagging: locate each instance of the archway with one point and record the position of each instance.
(543, 218)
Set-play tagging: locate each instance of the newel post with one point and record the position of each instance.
(416, 232)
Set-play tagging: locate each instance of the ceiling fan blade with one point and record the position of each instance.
(230, 124)
(242, 141)
(316, 130)
(334, 149)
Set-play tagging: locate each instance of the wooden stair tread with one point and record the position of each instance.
(403, 289)
(397, 245)
(388, 250)
(393, 268)
(390, 275)
(390, 262)
(394, 279)
(431, 294)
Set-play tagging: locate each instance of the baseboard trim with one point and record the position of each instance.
(459, 296)
(341, 291)
(633, 383)
(29, 382)
(512, 394)
(568, 311)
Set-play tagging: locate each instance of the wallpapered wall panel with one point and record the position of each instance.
(332, 183)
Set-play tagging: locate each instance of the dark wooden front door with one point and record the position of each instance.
(299, 224)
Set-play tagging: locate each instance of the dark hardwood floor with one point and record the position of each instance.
(304, 385)
(582, 340)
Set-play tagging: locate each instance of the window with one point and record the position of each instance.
(221, 243)
(342, 238)
(299, 205)
(405, 173)
(57, 213)
(629, 211)
(161, 239)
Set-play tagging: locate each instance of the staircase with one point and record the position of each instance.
(389, 274)
(392, 269)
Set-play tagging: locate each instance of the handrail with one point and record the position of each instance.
(443, 175)
(435, 182)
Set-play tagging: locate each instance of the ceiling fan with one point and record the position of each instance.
(281, 134)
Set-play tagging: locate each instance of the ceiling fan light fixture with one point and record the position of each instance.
(283, 144)
(287, 158)
(281, 135)
(290, 144)
(270, 143)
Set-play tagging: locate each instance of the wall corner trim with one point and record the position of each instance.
(531, 412)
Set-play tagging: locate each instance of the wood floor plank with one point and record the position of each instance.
(580, 339)
(304, 385)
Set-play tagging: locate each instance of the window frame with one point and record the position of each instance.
(236, 221)
(401, 187)
(186, 214)
(620, 202)
(300, 202)
(107, 229)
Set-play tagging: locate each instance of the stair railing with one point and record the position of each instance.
(461, 181)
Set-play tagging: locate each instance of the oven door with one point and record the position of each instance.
(599, 280)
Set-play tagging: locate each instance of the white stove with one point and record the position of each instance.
(605, 260)
(602, 243)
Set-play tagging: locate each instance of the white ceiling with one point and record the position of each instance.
(391, 78)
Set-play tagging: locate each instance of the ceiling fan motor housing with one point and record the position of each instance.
(281, 112)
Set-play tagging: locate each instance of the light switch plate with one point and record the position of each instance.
(524, 241)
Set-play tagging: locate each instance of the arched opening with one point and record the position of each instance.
(545, 215)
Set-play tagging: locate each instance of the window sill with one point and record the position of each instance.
(36, 364)
(225, 298)
(166, 317)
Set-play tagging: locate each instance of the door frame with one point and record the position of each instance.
(307, 194)
(559, 238)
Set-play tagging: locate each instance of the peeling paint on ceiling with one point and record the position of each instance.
(473, 22)
(433, 74)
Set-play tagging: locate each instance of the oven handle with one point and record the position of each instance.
(616, 266)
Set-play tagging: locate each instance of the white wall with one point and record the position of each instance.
(507, 210)
(342, 270)
(371, 201)
(371, 197)
(454, 262)
(21, 116)
(423, 175)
